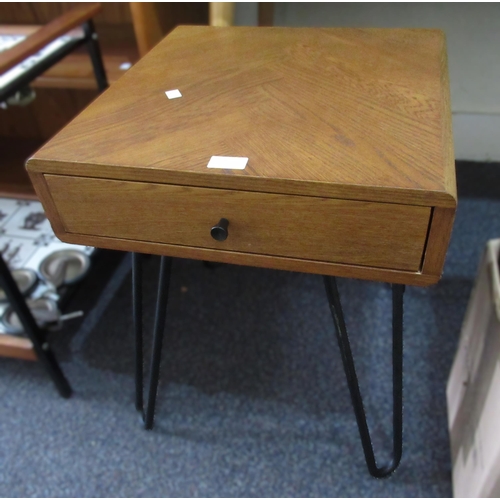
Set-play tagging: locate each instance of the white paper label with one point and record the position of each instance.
(173, 94)
(229, 162)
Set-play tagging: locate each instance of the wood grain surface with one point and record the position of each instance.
(46, 34)
(438, 240)
(45, 196)
(226, 256)
(255, 260)
(347, 132)
(352, 111)
(351, 232)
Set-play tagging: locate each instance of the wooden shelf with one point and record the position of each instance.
(17, 347)
(75, 71)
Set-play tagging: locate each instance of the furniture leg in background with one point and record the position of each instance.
(32, 53)
(222, 13)
(35, 334)
(95, 55)
(152, 21)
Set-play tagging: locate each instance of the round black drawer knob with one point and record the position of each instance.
(219, 232)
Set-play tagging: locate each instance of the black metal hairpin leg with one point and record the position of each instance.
(32, 330)
(137, 315)
(159, 326)
(352, 379)
(95, 55)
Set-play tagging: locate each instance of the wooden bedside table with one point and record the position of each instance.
(350, 167)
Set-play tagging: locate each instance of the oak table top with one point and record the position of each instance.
(348, 137)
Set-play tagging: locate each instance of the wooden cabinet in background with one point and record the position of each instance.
(69, 86)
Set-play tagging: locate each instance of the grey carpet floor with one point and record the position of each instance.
(252, 399)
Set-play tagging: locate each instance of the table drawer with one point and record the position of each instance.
(323, 229)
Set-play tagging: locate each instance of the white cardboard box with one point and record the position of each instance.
(473, 389)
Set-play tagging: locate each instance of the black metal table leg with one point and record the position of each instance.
(352, 379)
(137, 317)
(95, 55)
(32, 330)
(159, 326)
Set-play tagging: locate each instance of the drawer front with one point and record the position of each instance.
(382, 235)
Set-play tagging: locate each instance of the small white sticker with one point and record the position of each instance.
(230, 162)
(126, 65)
(173, 94)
